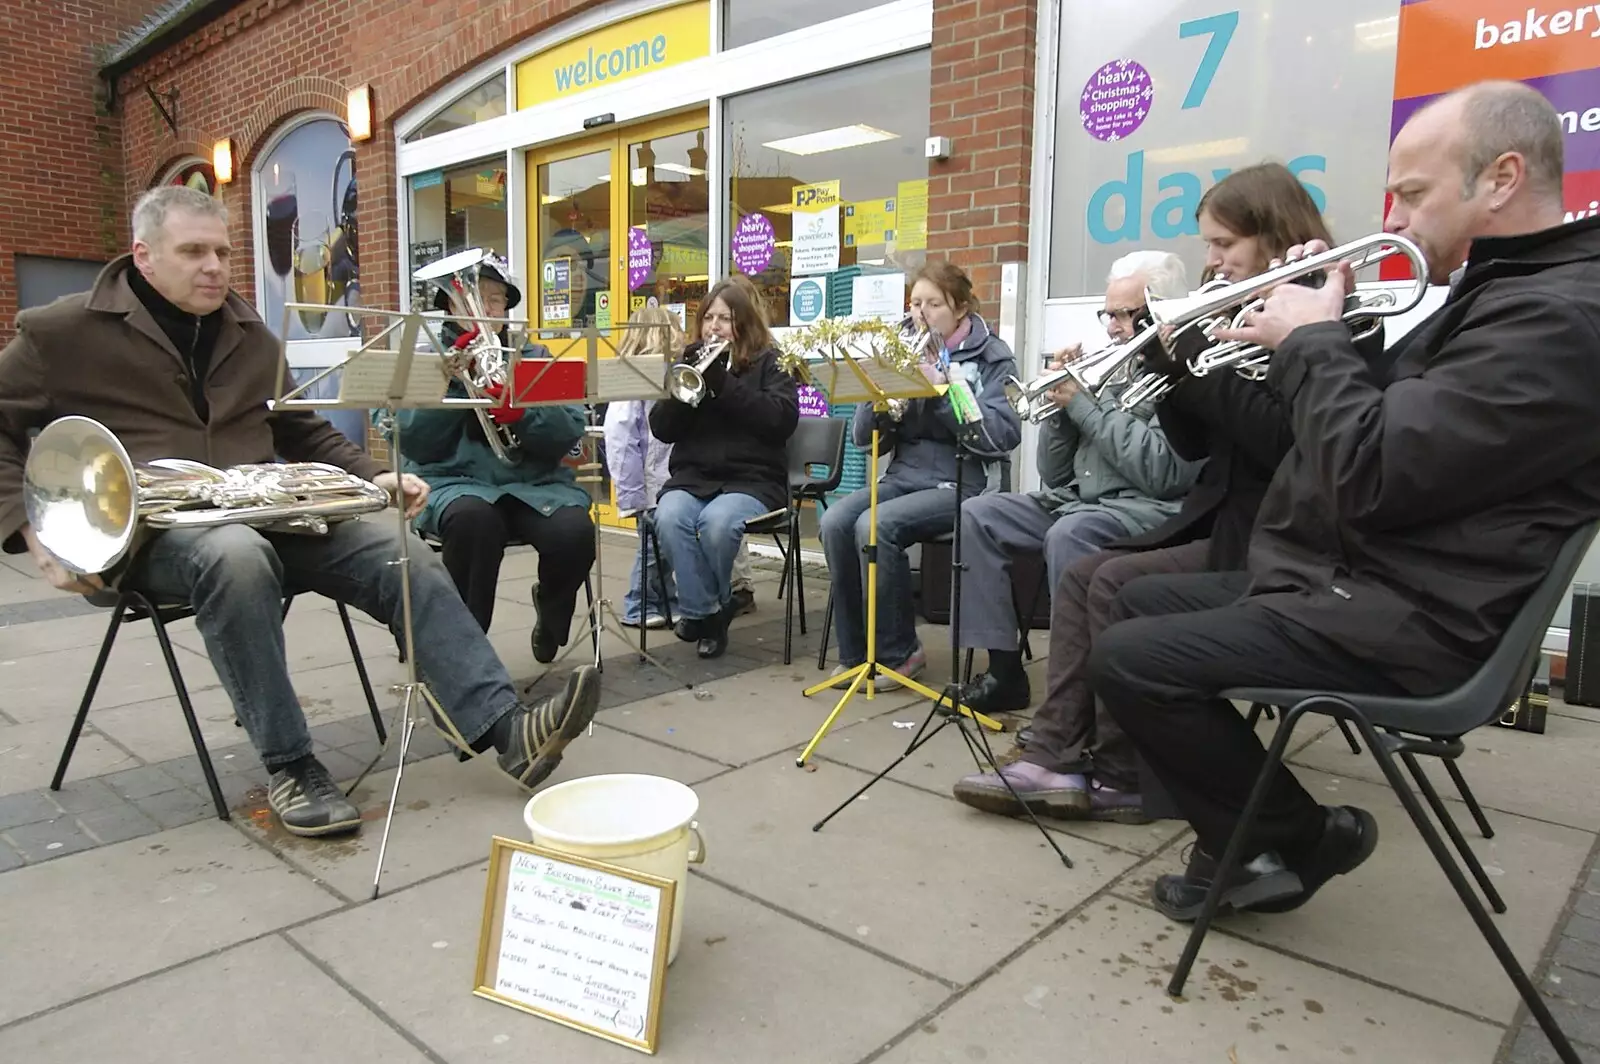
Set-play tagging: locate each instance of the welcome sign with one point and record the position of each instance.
(623, 50)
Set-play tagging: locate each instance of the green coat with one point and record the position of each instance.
(446, 449)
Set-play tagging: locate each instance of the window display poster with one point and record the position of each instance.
(1155, 110)
(556, 292)
(911, 215)
(808, 299)
(869, 222)
(882, 294)
(816, 240)
(1446, 44)
(306, 203)
(811, 197)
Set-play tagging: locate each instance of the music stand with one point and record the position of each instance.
(870, 377)
(383, 374)
(613, 380)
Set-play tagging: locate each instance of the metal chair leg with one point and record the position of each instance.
(1442, 814)
(791, 560)
(361, 671)
(1468, 797)
(1350, 739)
(827, 633)
(799, 578)
(188, 710)
(594, 623)
(117, 616)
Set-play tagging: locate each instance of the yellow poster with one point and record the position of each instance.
(868, 222)
(815, 196)
(911, 216)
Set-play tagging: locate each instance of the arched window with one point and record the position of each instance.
(193, 172)
(304, 192)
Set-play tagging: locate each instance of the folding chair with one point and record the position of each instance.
(132, 606)
(1405, 727)
(817, 441)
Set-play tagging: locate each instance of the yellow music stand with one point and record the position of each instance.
(859, 369)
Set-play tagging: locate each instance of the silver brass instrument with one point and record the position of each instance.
(483, 362)
(1230, 304)
(87, 502)
(687, 383)
(923, 341)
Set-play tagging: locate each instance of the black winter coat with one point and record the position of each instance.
(1420, 508)
(736, 440)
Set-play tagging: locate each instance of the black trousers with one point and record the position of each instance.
(475, 534)
(1175, 643)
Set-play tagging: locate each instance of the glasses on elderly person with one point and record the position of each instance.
(1126, 315)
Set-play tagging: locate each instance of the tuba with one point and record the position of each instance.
(483, 363)
(88, 503)
(687, 383)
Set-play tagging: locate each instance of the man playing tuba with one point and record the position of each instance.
(176, 365)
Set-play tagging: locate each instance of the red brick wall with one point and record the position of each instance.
(60, 190)
(982, 89)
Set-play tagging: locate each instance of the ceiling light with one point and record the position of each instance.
(1379, 32)
(830, 140)
(679, 168)
(1210, 149)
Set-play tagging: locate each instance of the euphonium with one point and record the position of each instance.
(483, 362)
(87, 502)
(687, 383)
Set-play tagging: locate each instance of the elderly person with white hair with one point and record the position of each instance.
(1107, 473)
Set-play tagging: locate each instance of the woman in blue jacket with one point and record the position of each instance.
(916, 496)
(477, 504)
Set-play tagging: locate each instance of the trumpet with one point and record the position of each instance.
(88, 503)
(482, 364)
(687, 383)
(1231, 304)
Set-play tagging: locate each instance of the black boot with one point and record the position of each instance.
(714, 636)
(989, 693)
(552, 625)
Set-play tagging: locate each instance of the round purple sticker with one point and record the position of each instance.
(753, 241)
(1116, 100)
(638, 257)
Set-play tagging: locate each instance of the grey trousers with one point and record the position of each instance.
(998, 527)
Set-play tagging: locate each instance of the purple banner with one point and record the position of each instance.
(1576, 94)
(753, 243)
(638, 257)
(813, 401)
(1116, 100)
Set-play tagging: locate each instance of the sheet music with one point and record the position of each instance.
(640, 377)
(369, 378)
(843, 385)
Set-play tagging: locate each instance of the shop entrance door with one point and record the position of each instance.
(617, 221)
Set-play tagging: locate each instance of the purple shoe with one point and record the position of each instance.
(1120, 807)
(1054, 794)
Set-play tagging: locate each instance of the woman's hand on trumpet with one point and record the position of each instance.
(1289, 306)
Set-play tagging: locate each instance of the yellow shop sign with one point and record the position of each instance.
(624, 50)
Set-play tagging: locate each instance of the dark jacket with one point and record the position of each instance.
(1242, 428)
(1411, 521)
(924, 439)
(736, 439)
(102, 354)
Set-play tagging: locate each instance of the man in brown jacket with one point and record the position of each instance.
(176, 365)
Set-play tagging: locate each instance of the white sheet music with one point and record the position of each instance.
(639, 377)
(369, 378)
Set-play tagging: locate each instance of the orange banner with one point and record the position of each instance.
(1444, 45)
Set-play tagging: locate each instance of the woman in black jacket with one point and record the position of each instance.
(1077, 764)
(728, 464)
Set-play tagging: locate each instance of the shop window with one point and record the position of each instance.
(195, 173)
(1155, 106)
(452, 210)
(745, 21)
(476, 105)
(304, 191)
(827, 185)
(42, 280)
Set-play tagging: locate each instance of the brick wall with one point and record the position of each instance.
(60, 190)
(982, 99)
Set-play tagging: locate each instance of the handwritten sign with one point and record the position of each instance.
(575, 941)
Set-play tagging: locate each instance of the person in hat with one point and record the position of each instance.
(478, 505)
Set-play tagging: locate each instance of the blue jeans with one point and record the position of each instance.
(700, 538)
(663, 589)
(236, 578)
(904, 518)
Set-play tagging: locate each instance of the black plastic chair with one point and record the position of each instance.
(1405, 727)
(816, 441)
(132, 606)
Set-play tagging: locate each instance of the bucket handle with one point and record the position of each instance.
(697, 855)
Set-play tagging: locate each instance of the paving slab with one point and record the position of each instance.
(262, 990)
(748, 984)
(20, 640)
(1097, 985)
(49, 686)
(1376, 920)
(83, 923)
(29, 752)
(750, 716)
(449, 811)
(894, 870)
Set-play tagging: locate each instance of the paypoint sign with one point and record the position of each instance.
(623, 50)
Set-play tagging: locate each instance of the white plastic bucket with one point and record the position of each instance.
(640, 822)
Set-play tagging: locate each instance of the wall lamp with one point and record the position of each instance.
(222, 160)
(358, 112)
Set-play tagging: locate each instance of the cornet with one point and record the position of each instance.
(483, 362)
(920, 339)
(1231, 304)
(687, 383)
